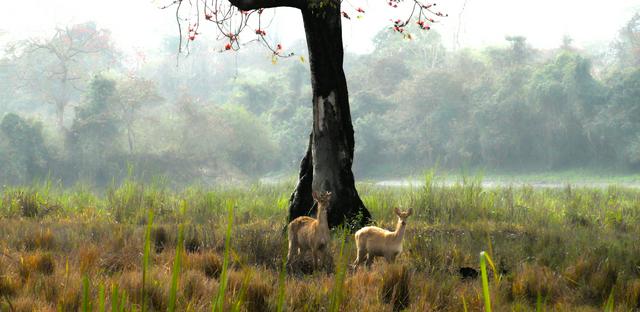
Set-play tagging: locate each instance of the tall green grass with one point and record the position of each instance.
(485, 282)
(340, 274)
(282, 277)
(177, 262)
(86, 303)
(101, 299)
(218, 302)
(243, 289)
(115, 298)
(608, 307)
(145, 259)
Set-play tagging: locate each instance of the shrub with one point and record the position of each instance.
(160, 238)
(88, 257)
(8, 286)
(42, 263)
(208, 263)
(533, 281)
(257, 293)
(193, 286)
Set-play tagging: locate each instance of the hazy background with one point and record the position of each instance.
(139, 26)
(509, 87)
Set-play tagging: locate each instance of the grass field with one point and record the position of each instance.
(560, 249)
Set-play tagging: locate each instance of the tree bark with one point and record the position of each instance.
(329, 158)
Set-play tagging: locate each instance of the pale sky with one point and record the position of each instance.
(138, 25)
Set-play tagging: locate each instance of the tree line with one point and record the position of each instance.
(71, 109)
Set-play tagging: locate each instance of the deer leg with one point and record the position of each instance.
(293, 249)
(390, 257)
(314, 258)
(369, 261)
(359, 258)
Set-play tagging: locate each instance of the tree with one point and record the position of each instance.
(56, 69)
(329, 157)
(132, 94)
(93, 137)
(26, 147)
(628, 45)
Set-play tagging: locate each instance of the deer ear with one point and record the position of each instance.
(397, 211)
(410, 212)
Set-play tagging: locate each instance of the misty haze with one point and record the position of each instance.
(321, 155)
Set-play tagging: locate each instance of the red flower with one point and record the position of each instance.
(360, 10)
(228, 46)
(345, 15)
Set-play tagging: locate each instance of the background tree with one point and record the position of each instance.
(477, 108)
(56, 70)
(26, 157)
(93, 137)
(132, 94)
(628, 44)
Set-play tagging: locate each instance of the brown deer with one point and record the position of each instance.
(309, 234)
(372, 241)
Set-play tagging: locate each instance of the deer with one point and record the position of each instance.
(372, 241)
(309, 234)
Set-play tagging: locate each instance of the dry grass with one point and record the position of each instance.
(396, 287)
(160, 239)
(561, 250)
(42, 263)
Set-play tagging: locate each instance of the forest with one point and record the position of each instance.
(232, 169)
(74, 110)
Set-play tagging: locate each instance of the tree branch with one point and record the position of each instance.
(246, 5)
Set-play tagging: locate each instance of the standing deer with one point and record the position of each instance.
(373, 241)
(306, 233)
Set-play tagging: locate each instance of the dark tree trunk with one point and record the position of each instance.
(327, 164)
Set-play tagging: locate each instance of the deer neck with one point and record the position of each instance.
(322, 216)
(399, 232)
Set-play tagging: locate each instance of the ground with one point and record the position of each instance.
(565, 249)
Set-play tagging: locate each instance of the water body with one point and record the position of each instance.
(539, 183)
(515, 183)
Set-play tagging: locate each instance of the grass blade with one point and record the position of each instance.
(243, 290)
(115, 299)
(496, 275)
(539, 302)
(282, 282)
(177, 263)
(86, 305)
(608, 307)
(464, 304)
(337, 291)
(123, 301)
(145, 259)
(485, 282)
(218, 304)
(101, 299)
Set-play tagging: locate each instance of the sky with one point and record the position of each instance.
(139, 25)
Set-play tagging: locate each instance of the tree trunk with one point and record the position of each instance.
(60, 107)
(327, 164)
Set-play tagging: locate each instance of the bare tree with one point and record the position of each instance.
(57, 69)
